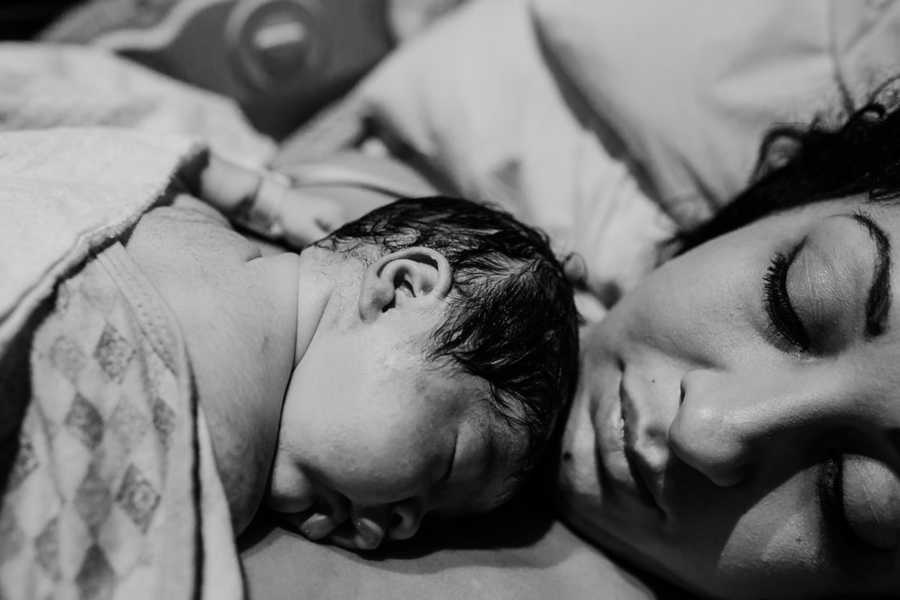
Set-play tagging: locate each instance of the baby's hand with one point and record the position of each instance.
(357, 534)
(306, 218)
(264, 202)
(293, 216)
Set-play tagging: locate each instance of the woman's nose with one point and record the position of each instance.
(703, 437)
(727, 426)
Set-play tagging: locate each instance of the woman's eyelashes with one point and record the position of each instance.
(787, 326)
(842, 480)
(830, 488)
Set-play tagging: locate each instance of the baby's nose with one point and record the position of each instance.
(405, 519)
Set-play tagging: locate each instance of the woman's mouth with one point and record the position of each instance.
(625, 469)
(641, 468)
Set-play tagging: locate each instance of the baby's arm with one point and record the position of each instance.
(263, 201)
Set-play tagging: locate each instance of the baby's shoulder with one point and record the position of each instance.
(190, 228)
(185, 208)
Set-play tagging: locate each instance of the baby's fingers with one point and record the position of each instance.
(360, 534)
(300, 235)
(329, 215)
(305, 219)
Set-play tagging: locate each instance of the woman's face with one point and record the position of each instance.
(737, 426)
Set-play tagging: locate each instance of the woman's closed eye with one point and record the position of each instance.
(858, 496)
(819, 298)
(830, 488)
(787, 326)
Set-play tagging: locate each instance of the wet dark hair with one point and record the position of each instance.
(799, 165)
(511, 318)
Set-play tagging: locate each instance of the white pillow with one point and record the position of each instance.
(692, 86)
(475, 97)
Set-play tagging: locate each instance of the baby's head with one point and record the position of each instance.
(445, 349)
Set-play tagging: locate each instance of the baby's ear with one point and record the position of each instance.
(412, 276)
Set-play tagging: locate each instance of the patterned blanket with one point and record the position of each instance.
(109, 487)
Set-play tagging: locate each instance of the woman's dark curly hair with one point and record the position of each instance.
(799, 165)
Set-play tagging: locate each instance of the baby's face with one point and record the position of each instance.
(373, 437)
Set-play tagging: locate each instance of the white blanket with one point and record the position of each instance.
(63, 193)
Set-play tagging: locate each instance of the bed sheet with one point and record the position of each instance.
(517, 553)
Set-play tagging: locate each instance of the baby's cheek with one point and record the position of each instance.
(381, 478)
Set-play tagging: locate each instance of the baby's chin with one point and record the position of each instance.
(290, 491)
(300, 508)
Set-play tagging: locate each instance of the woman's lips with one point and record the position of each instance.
(615, 415)
(642, 470)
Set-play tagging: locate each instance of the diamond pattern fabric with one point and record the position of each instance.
(105, 498)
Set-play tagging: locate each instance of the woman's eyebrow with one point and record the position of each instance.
(878, 304)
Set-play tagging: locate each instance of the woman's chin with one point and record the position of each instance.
(578, 478)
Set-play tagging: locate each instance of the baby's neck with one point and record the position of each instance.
(244, 391)
(315, 287)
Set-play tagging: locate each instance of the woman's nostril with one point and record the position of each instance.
(396, 520)
(711, 447)
(681, 394)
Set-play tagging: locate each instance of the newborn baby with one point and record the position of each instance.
(413, 361)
